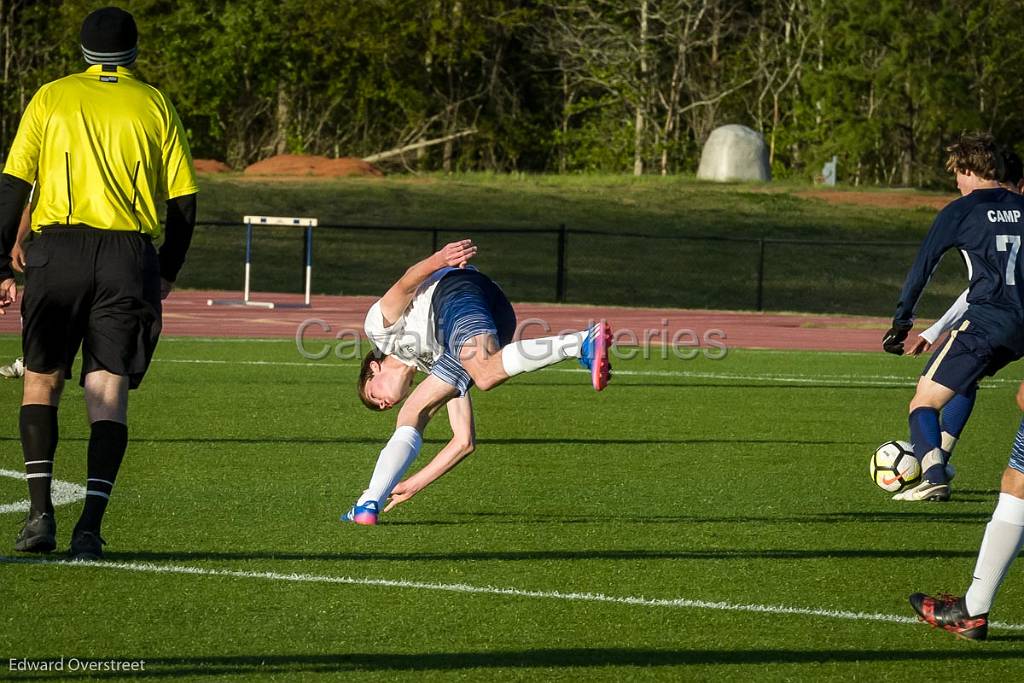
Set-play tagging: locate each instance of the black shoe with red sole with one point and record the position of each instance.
(950, 614)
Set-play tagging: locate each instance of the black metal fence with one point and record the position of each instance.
(574, 265)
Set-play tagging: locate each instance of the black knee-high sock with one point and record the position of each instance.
(107, 445)
(38, 424)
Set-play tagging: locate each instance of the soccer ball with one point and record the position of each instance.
(893, 466)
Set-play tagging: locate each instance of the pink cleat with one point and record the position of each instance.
(364, 515)
(596, 348)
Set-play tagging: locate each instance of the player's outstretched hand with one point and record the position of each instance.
(8, 294)
(892, 342)
(456, 254)
(402, 492)
(919, 345)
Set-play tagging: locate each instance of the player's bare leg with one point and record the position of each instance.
(42, 388)
(106, 397)
(481, 358)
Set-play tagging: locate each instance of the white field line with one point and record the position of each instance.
(291, 340)
(846, 380)
(63, 492)
(679, 603)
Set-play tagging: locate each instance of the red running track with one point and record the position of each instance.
(186, 313)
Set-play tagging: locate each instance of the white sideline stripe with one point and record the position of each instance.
(149, 568)
(293, 364)
(848, 380)
(63, 492)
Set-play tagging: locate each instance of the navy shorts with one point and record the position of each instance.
(467, 304)
(965, 357)
(94, 289)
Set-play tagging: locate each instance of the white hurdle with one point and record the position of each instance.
(250, 221)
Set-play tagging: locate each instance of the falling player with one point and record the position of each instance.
(455, 324)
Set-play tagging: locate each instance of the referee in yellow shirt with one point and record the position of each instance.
(103, 148)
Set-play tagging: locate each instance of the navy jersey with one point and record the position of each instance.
(988, 227)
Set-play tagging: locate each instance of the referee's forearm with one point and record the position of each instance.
(14, 193)
(181, 222)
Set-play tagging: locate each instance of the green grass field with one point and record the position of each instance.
(607, 269)
(739, 482)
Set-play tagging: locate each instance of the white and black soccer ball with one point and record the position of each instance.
(893, 466)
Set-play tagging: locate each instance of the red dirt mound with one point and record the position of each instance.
(211, 166)
(299, 165)
(886, 200)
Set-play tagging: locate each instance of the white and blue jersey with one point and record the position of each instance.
(410, 339)
(988, 227)
(451, 307)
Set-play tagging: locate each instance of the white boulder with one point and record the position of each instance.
(734, 152)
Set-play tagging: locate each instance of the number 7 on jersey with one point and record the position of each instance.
(1013, 242)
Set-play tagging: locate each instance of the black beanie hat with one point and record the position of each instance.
(109, 36)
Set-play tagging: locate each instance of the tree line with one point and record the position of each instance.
(631, 86)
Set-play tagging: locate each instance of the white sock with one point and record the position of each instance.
(1003, 538)
(533, 354)
(948, 443)
(401, 449)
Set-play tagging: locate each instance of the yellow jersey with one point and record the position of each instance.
(103, 148)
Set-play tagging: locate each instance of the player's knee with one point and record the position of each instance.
(485, 382)
(106, 396)
(1013, 482)
(925, 401)
(43, 389)
(486, 374)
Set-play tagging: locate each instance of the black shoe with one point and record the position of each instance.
(86, 545)
(39, 535)
(950, 613)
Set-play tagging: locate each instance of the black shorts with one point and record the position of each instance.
(966, 357)
(94, 289)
